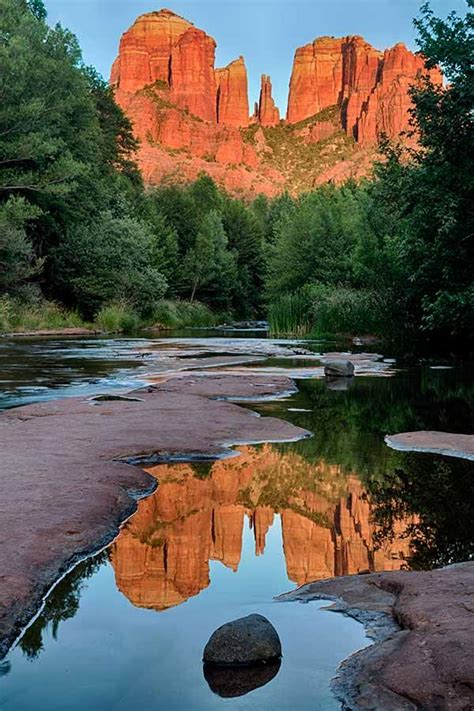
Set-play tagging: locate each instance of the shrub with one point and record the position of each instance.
(117, 317)
(337, 309)
(179, 314)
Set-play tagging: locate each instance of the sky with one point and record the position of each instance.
(265, 32)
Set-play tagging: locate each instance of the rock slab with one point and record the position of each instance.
(244, 642)
(423, 663)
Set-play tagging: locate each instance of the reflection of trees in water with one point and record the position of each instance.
(349, 427)
(61, 604)
(439, 491)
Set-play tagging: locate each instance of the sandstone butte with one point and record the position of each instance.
(191, 116)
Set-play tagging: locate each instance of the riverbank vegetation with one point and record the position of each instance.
(82, 241)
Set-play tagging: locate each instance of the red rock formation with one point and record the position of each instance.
(268, 113)
(192, 78)
(316, 79)
(386, 109)
(232, 94)
(145, 50)
(188, 115)
(369, 88)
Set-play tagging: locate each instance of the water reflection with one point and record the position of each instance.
(161, 558)
(224, 537)
(62, 604)
(239, 681)
(437, 493)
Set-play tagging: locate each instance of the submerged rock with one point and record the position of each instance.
(244, 642)
(339, 369)
(230, 682)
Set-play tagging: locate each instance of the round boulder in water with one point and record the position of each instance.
(243, 642)
(339, 368)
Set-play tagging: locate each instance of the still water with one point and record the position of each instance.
(217, 540)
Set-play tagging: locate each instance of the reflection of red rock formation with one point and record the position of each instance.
(161, 557)
(228, 523)
(262, 521)
(314, 551)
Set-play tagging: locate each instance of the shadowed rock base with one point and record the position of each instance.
(422, 663)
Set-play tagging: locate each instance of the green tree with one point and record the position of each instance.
(165, 250)
(314, 240)
(209, 267)
(432, 193)
(109, 260)
(245, 235)
(18, 263)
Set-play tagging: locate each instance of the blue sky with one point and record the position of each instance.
(265, 32)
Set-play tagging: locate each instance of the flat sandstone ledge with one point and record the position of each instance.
(423, 626)
(66, 486)
(447, 443)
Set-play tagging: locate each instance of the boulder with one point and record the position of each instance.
(339, 369)
(243, 642)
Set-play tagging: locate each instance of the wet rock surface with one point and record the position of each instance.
(66, 483)
(423, 624)
(248, 641)
(447, 443)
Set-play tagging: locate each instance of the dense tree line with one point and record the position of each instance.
(391, 256)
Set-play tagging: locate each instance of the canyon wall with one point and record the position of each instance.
(191, 116)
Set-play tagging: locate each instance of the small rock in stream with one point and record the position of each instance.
(244, 642)
(339, 368)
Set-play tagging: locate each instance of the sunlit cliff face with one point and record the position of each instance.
(191, 116)
(197, 515)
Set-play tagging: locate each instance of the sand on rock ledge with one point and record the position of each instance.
(66, 478)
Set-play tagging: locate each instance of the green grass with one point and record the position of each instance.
(16, 316)
(342, 310)
(117, 317)
(289, 314)
(328, 310)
